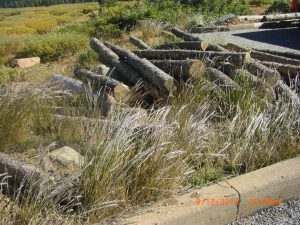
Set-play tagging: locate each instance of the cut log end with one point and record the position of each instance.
(204, 45)
(122, 93)
(197, 69)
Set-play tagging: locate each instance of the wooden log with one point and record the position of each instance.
(284, 69)
(119, 91)
(168, 35)
(227, 68)
(225, 19)
(102, 69)
(159, 78)
(261, 88)
(131, 75)
(244, 26)
(68, 83)
(267, 74)
(216, 48)
(271, 17)
(185, 35)
(291, 55)
(286, 94)
(273, 58)
(189, 45)
(238, 59)
(181, 69)
(139, 43)
(209, 29)
(280, 24)
(191, 37)
(22, 175)
(265, 25)
(262, 56)
(221, 79)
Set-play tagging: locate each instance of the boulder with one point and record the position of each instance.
(26, 62)
(66, 157)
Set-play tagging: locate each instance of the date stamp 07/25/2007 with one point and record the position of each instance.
(236, 201)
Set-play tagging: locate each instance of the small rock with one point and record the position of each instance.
(66, 156)
(26, 62)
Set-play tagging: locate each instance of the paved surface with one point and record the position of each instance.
(276, 39)
(285, 214)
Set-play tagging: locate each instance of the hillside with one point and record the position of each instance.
(28, 3)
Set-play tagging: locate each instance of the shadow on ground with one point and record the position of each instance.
(289, 38)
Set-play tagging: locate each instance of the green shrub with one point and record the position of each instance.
(50, 47)
(221, 7)
(256, 2)
(77, 28)
(8, 74)
(279, 6)
(88, 59)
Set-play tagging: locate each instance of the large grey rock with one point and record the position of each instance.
(67, 157)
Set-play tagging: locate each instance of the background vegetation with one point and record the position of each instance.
(28, 3)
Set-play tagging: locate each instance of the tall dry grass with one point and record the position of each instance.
(204, 134)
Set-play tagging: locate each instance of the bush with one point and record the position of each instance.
(52, 46)
(8, 74)
(88, 59)
(221, 7)
(41, 27)
(279, 6)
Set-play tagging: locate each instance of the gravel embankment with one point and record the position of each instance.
(285, 214)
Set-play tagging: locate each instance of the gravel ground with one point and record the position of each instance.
(282, 40)
(285, 214)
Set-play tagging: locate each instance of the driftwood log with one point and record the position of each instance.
(285, 92)
(271, 17)
(168, 35)
(185, 35)
(138, 43)
(181, 69)
(284, 69)
(227, 68)
(118, 90)
(21, 175)
(238, 59)
(156, 76)
(241, 76)
(104, 102)
(262, 56)
(291, 55)
(189, 45)
(192, 37)
(68, 83)
(263, 72)
(221, 79)
(209, 29)
(102, 69)
(133, 77)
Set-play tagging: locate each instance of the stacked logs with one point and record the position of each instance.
(159, 71)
